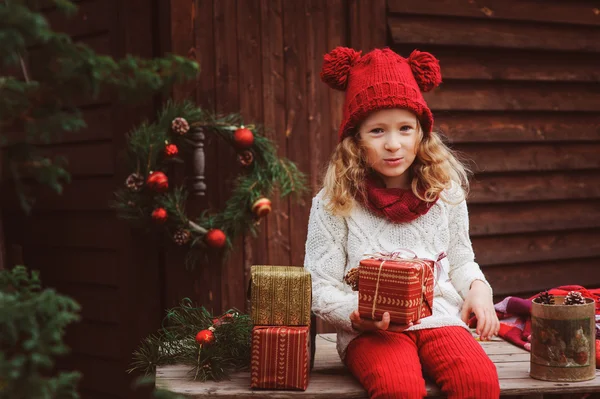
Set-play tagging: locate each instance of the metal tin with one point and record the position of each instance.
(563, 341)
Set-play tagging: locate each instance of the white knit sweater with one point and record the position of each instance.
(336, 244)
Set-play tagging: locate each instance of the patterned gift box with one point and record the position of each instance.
(280, 296)
(280, 357)
(396, 283)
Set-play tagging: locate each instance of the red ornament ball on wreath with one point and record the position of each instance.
(171, 150)
(215, 238)
(205, 337)
(261, 207)
(158, 182)
(243, 137)
(159, 215)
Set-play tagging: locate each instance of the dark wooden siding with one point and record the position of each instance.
(75, 240)
(521, 101)
(264, 57)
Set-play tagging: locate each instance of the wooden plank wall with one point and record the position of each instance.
(75, 240)
(521, 99)
(263, 58)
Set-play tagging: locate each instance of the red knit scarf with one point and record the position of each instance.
(398, 205)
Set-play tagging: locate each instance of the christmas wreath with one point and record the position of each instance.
(149, 199)
(212, 346)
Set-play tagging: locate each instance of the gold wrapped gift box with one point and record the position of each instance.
(280, 295)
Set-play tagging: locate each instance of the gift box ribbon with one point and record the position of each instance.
(408, 255)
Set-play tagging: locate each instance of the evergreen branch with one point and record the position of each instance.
(33, 322)
(44, 106)
(175, 343)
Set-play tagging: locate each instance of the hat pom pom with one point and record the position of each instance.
(426, 70)
(336, 67)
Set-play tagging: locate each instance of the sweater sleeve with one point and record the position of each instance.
(463, 268)
(325, 259)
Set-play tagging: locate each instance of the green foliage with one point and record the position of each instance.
(32, 327)
(175, 343)
(32, 324)
(268, 175)
(44, 101)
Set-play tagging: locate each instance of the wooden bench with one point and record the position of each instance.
(330, 379)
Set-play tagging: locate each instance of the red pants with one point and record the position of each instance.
(391, 365)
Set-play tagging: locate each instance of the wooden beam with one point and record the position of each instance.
(487, 220)
(256, 250)
(524, 278)
(419, 30)
(227, 80)
(299, 145)
(92, 17)
(98, 303)
(570, 12)
(105, 339)
(78, 265)
(88, 159)
(75, 230)
(367, 24)
(513, 96)
(530, 157)
(510, 64)
(523, 248)
(272, 52)
(510, 126)
(493, 188)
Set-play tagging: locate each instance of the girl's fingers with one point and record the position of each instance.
(384, 323)
(489, 325)
(481, 322)
(497, 330)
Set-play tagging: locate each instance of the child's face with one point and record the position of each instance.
(390, 137)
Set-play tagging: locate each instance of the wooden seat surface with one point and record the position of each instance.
(330, 378)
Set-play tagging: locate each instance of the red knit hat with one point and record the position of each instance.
(381, 79)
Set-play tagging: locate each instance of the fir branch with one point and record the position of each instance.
(43, 105)
(175, 343)
(32, 327)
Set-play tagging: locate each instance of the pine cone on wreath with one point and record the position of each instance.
(245, 158)
(181, 237)
(574, 298)
(180, 126)
(546, 298)
(134, 182)
(351, 278)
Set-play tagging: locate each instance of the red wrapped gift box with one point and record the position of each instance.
(280, 357)
(392, 283)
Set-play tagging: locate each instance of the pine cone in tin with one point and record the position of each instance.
(181, 237)
(180, 126)
(574, 298)
(546, 298)
(351, 278)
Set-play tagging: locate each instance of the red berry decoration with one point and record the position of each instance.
(159, 215)
(205, 337)
(215, 238)
(158, 182)
(171, 150)
(243, 137)
(261, 207)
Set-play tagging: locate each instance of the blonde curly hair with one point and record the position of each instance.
(434, 170)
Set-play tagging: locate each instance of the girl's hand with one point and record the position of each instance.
(363, 325)
(479, 301)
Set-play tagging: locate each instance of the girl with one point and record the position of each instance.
(391, 184)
